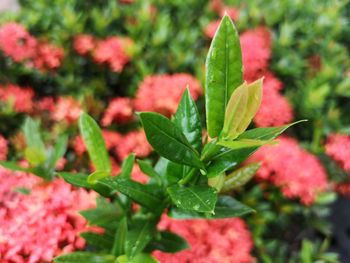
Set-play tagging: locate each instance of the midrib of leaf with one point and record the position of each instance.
(198, 197)
(227, 51)
(173, 139)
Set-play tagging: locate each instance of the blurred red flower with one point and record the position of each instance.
(119, 110)
(338, 148)
(20, 98)
(83, 44)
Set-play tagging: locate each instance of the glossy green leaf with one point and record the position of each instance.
(140, 193)
(169, 171)
(120, 238)
(235, 111)
(147, 169)
(138, 238)
(226, 207)
(31, 130)
(127, 166)
(188, 120)
(97, 175)
(100, 241)
(246, 143)
(86, 257)
(168, 140)
(196, 198)
(94, 143)
(240, 177)
(224, 73)
(168, 242)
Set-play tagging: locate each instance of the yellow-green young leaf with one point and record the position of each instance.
(224, 73)
(246, 143)
(235, 111)
(253, 104)
(34, 156)
(97, 175)
(86, 257)
(240, 177)
(217, 182)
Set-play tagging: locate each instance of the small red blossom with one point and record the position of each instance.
(16, 42)
(133, 142)
(46, 104)
(48, 57)
(36, 227)
(286, 165)
(162, 93)
(338, 148)
(21, 98)
(113, 51)
(3, 148)
(343, 188)
(111, 138)
(83, 44)
(211, 28)
(214, 241)
(119, 110)
(68, 109)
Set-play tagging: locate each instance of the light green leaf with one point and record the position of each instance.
(140, 258)
(86, 257)
(58, 151)
(34, 156)
(31, 130)
(224, 73)
(97, 175)
(120, 238)
(196, 198)
(217, 182)
(188, 120)
(127, 166)
(246, 143)
(240, 177)
(13, 166)
(94, 143)
(147, 169)
(168, 140)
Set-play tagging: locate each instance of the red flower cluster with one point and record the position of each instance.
(119, 110)
(20, 98)
(17, 43)
(66, 108)
(214, 241)
(338, 148)
(45, 223)
(3, 148)
(113, 51)
(286, 165)
(162, 93)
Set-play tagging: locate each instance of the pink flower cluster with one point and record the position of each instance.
(112, 51)
(119, 110)
(38, 226)
(162, 93)
(17, 43)
(286, 165)
(214, 241)
(3, 148)
(20, 98)
(66, 108)
(338, 148)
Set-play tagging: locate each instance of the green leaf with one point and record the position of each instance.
(240, 177)
(241, 109)
(168, 140)
(127, 166)
(226, 207)
(13, 166)
(86, 257)
(34, 156)
(140, 193)
(138, 238)
(58, 151)
(169, 171)
(224, 73)
(147, 169)
(31, 130)
(168, 242)
(94, 143)
(196, 198)
(101, 241)
(188, 120)
(97, 175)
(140, 258)
(246, 143)
(217, 182)
(22, 190)
(120, 238)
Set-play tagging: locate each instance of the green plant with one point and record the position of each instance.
(189, 179)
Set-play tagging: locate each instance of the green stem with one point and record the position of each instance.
(188, 177)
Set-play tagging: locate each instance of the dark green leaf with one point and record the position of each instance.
(168, 140)
(188, 120)
(138, 238)
(140, 193)
(94, 143)
(196, 198)
(86, 257)
(120, 238)
(224, 73)
(101, 241)
(168, 242)
(169, 171)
